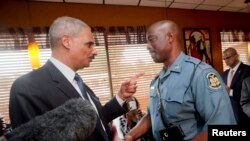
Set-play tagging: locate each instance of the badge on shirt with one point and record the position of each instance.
(214, 82)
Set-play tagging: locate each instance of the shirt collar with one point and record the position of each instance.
(236, 67)
(175, 67)
(64, 69)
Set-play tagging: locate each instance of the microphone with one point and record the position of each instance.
(75, 120)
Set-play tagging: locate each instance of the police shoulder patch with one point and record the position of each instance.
(214, 82)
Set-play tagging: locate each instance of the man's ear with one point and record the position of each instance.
(169, 37)
(65, 40)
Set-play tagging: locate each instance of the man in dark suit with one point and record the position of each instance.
(245, 96)
(233, 78)
(53, 84)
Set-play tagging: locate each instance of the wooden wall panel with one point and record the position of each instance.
(15, 14)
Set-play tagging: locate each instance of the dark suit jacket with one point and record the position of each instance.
(47, 88)
(245, 96)
(242, 72)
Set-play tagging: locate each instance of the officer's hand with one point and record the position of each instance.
(128, 138)
(128, 88)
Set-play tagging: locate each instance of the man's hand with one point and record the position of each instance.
(128, 88)
(128, 138)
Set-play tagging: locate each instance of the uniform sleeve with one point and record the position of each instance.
(113, 109)
(245, 96)
(211, 99)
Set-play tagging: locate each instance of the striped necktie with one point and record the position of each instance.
(81, 86)
(230, 77)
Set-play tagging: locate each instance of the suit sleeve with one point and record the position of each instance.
(245, 96)
(113, 109)
(22, 106)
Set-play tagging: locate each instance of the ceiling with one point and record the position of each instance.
(213, 5)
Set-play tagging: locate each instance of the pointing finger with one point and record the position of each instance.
(137, 75)
(133, 79)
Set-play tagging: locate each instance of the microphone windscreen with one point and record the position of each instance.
(75, 120)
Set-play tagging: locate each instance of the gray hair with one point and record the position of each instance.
(64, 26)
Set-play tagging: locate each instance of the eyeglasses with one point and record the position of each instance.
(226, 58)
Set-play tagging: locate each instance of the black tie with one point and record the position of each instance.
(81, 85)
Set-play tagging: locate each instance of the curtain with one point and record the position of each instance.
(123, 35)
(234, 35)
(128, 55)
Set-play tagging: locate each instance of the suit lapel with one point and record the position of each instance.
(66, 87)
(62, 83)
(99, 108)
(236, 75)
(226, 75)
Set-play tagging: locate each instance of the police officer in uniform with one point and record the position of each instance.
(187, 95)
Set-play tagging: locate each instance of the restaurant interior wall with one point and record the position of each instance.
(14, 14)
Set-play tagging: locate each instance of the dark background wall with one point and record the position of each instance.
(27, 14)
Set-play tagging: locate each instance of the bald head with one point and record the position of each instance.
(163, 42)
(231, 50)
(231, 57)
(166, 26)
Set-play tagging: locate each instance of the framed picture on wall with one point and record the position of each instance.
(197, 44)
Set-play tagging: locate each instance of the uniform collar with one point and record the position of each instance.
(175, 67)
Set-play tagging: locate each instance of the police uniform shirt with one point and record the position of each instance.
(205, 102)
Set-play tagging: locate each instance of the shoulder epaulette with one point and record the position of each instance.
(195, 61)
